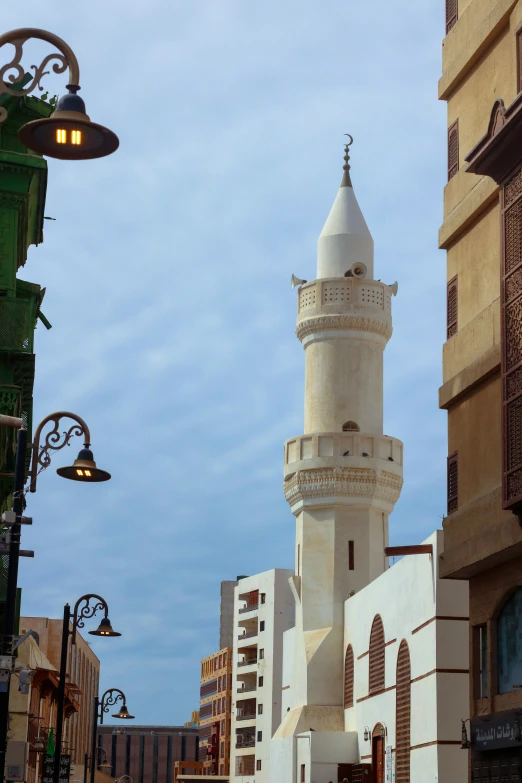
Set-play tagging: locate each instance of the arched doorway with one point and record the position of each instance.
(378, 765)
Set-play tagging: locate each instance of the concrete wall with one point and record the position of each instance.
(408, 597)
(226, 614)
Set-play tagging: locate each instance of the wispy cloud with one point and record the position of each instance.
(167, 273)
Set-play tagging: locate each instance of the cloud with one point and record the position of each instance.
(167, 274)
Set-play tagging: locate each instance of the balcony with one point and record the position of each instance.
(247, 688)
(249, 608)
(248, 662)
(246, 716)
(245, 765)
(249, 742)
(248, 635)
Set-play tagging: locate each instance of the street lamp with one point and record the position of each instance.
(124, 779)
(101, 706)
(68, 134)
(83, 468)
(85, 607)
(41, 459)
(104, 766)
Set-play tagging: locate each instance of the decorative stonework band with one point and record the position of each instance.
(336, 322)
(365, 483)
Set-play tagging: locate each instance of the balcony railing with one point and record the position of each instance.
(246, 716)
(247, 688)
(249, 635)
(249, 608)
(248, 662)
(247, 743)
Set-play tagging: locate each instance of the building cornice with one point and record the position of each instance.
(366, 484)
(349, 323)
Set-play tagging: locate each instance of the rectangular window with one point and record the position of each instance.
(480, 661)
(351, 556)
(224, 681)
(224, 659)
(519, 60)
(263, 598)
(452, 303)
(259, 736)
(219, 683)
(452, 14)
(261, 654)
(262, 625)
(453, 482)
(222, 753)
(453, 149)
(259, 709)
(303, 770)
(261, 682)
(258, 764)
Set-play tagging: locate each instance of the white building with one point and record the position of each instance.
(263, 611)
(342, 478)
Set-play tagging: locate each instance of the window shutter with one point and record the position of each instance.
(453, 150)
(452, 307)
(452, 11)
(348, 678)
(376, 656)
(403, 715)
(453, 483)
(511, 340)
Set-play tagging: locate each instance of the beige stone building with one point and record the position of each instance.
(482, 363)
(83, 674)
(215, 713)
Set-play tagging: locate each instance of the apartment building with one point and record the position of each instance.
(482, 364)
(263, 610)
(148, 754)
(215, 713)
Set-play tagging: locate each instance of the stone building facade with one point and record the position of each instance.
(215, 712)
(482, 363)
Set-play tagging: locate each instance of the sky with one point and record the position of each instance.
(168, 271)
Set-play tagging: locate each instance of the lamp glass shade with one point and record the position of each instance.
(105, 629)
(84, 469)
(104, 765)
(123, 713)
(69, 134)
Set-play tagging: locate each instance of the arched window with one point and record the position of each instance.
(403, 714)
(509, 643)
(376, 656)
(348, 677)
(350, 426)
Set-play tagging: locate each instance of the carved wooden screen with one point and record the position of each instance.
(403, 715)
(451, 14)
(452, 307)
(453, 149)
(348, 678)
(376, 656)
(453, 482)
(511, 331)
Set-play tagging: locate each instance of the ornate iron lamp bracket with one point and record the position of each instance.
(84, 610)
(109, 699)
(66, 59)
(41, 454)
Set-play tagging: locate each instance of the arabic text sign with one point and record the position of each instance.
(497, 731)
(48, 769)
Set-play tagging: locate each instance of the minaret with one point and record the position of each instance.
(343, 477)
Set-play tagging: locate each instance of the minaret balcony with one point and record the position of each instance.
(343, 294)
(341, 450)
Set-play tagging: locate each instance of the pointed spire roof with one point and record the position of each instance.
(345, 238)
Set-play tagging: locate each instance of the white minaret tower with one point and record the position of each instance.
(343, 477)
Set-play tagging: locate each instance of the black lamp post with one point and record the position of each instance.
(109, 698)
(85, 607)
(85, 470)
(68, 134)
